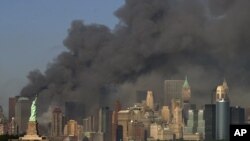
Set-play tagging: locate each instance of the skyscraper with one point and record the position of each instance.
(209, 115)
(3, 122)
(117, 108)
(57, 122)
(177, 118)
(189, 128)
(124, 117)
(22, 113)
(12, 103)
(90, 124)
(12, 127)
(237, 115)
(222, 112)
(105, 123)
(222, 119)
(247, 115)
(150, 100)
(165, 113)
(201, 122)
(172, 89)
(71, 128)
(186, 95)
(186, 91)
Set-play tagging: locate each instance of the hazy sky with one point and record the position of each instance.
(31, 35)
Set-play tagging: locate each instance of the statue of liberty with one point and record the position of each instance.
(33, 111)
(32, 133)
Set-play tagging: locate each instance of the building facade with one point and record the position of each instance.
(57, 122)
(237, 115)
(22, 113)
(124, 118)
(222, 119)
(12, 103)
(105, 123)
(210, 117)
(150, 100)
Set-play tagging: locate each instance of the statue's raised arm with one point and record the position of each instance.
(33, 111)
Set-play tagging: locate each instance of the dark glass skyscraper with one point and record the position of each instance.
(237, 115)
(209, 115)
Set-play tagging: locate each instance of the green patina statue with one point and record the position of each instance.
(33, 111)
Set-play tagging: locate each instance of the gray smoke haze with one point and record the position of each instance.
(155, 40)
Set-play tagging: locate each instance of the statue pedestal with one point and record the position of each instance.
(31, 132)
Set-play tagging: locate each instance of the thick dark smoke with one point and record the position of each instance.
(154, 40)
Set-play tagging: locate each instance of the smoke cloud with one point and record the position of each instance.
(155, 40)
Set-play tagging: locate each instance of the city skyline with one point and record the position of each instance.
(89, 54)
(134, 121)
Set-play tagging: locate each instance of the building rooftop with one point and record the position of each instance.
(186, 85)
(23, 98)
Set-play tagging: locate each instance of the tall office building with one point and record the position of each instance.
(124, 118)
(186, 91)
(117, 108)
(2, 117)
(237, 115)
(172, 90)
(185, 109)
(177, 118)
(22, 113)
(222, 112)
(222, 119)
(201, 122)
(209, 115)
(186, 95)
(12, 103)
(12, 127)
(3, 122)
(71, 128)
(89, 124)
(105, 123)
(190, 127)
(165, 113)
(57, 123)
(247, 115)
(150, 100)
(73, 131)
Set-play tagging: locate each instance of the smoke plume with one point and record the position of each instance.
(154, 40)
